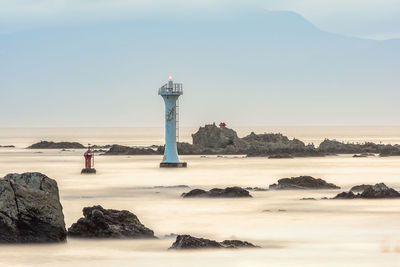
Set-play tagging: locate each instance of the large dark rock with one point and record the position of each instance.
(56, 145)
(108, 223)
(302, 182)
(30, 209)
(126, 150)
(229, 192)
(371, 192)
(190, 242)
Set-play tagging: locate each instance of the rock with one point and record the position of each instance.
(126, 150)
(346, 195)
(308, 198)
(371, 192)
(7, 146)
(368, 148)
(359, 188)
(281, 156)
(30, 209)
(229, 192)
(302, 182)
(379, 191)
(190, 242)
(211, 136)
(108, 223)
(59, 145)
(364, 155)
(256, 189)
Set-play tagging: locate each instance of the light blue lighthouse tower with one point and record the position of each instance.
(170, 92)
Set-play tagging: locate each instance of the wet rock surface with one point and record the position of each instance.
(30, 209)
(56, 145)
(371, 192)
(109, 223)
(190, 242)
(229, 192)
(302, 182)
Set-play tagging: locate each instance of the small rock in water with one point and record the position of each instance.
(108, 223)
(190, 242)
(308, 198)
(229, 192)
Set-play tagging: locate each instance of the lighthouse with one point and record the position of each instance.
(170, 92)
(89, 162)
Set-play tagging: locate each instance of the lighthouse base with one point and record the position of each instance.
(173, 165)
(88, 171)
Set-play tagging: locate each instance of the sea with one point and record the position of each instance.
(290, 231)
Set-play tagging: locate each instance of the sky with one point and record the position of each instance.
(67, 63)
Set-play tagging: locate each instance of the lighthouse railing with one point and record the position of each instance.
(177, 88)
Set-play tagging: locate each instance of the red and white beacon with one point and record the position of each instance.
(89, 162)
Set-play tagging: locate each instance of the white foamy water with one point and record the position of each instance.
(292, 232)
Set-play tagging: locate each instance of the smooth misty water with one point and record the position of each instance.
(305, 233)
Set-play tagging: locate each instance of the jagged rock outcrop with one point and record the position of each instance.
(190, 242)
(108, 223)
(30, 209)
(371, 192)
(302, 182)
(360, 188)
(229, 192)
(126, 150)
(211, 136)
(56, 145)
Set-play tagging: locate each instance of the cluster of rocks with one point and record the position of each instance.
(31, 212)
(370, 192)
(229, 192)
(214, 140)
(56, 145)
(190, 242)
(302, 182)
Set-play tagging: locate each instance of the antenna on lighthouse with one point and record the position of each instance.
(170, 92)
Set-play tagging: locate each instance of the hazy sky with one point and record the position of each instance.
(366, 18)
(99, 63)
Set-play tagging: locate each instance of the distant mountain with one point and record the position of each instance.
(267, 67)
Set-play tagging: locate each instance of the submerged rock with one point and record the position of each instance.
(229, 192)
(190, 242)
(56, 145)
(371, 192)
(302, 182)
(281, 156)
(108, 223)
(30, 209)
